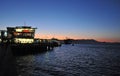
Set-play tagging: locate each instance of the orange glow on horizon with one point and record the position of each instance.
(46, 36)
(61, 37)
(108, 40)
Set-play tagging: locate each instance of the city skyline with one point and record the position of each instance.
(76, 19)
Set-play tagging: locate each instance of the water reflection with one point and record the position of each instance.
(77, 60)
(25, 65)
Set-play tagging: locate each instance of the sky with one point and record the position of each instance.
(76, 19)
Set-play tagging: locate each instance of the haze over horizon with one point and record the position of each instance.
(76, 19)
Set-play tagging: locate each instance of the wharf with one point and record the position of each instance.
(31, 48)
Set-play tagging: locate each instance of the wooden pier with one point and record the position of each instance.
(31, 48)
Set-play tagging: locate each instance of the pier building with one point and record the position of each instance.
(21, 34)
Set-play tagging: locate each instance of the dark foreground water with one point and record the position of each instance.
(68, 60)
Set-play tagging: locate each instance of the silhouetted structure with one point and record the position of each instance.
(68, 41)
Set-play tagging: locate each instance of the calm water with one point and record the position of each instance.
(68, 60)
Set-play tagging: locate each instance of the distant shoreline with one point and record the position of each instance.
(89, 41)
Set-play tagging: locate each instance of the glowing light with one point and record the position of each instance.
(23, 40)
(19, 30)
(24, 30)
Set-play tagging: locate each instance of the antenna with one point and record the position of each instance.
(24, 23)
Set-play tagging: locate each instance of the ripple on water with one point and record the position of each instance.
(77, 60)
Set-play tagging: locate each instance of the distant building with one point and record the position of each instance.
(22, 34)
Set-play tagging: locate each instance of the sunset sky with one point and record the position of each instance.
(77, 19)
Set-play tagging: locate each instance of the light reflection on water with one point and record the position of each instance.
(68, 60)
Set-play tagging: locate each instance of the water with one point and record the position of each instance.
(68, 60)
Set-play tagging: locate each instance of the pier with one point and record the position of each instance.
(17, 41)
(21, 38)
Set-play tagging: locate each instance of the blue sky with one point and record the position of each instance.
(78, 19)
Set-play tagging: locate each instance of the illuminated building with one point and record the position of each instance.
(3, 35)
(23, 34)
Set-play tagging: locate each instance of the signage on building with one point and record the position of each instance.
(24, 30)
